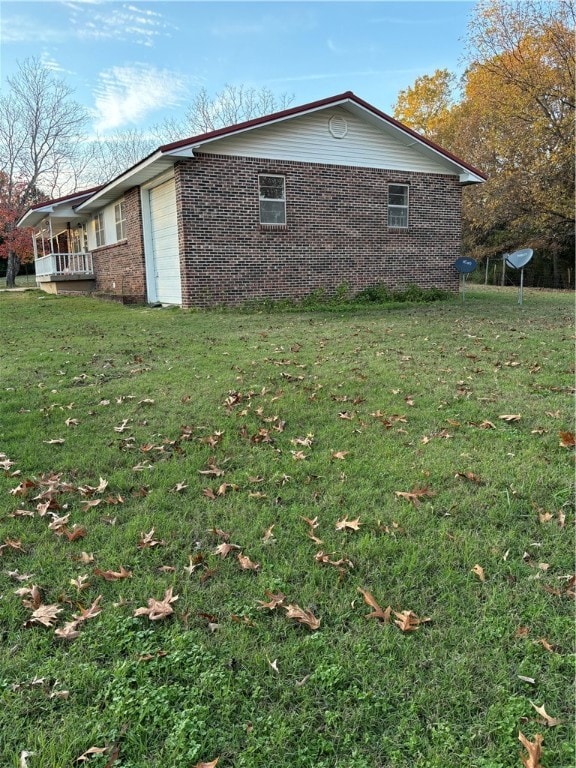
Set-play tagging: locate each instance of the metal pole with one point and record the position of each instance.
(521, 286)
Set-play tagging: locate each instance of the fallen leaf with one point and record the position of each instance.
(550, 721)
(92, 612)
(44, 615)
(224, 549)
(113, 575)
(378, 613)
(92, 751)
(567, 439)
(81, 582)
(69, 631)
(56, 441)
(293, 611)
(158, 609)
(534, 750)
(207, 765)
(345, 524)
(415, 495)
(545, 644)
(340, 455)
(407, 621)
(275, 600)
(246, 564)
(148, 540)
(268, 536)
(470, 476)
(479, 571)
(510, 417)
(23, 762)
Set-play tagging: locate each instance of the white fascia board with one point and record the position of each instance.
(34, 216)
(134, 177)
(183, 151)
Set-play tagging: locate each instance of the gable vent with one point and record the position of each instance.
(338, 126)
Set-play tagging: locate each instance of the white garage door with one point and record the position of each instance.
(164, 238)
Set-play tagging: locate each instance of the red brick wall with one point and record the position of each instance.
(336, 230)
(120, 268)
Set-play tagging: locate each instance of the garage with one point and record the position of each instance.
(164, 259)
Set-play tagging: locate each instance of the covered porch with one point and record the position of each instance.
(62, 261)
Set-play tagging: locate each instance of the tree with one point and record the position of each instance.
(425, 106)
(40, 143)
(519, 109)
(232, 105)
(514, 119)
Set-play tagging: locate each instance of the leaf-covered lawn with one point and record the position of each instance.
(300, 540)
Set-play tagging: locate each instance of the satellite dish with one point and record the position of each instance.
(465, 266)
(519, 259)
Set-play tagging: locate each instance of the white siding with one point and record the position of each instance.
(308, 139)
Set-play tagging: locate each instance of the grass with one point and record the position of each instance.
(321, 415)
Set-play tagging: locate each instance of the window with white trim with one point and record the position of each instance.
(398, 205)
(99, 229)
(120, 220)
(272, 192)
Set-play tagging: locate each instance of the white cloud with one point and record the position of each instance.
(23, 29)
(129, 95)
(106, 21)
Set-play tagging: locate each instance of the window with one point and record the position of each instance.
(272, 199)
(398, 205)
(120, 219)
(99, 229)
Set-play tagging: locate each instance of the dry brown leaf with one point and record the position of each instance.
(246, 564)
(69, 631)
(510, 417)
(90, 613)
(113, 575)
(534, 750)
(550, 721)
(479, 571)
(470, 476)
(268, 535)
(415, 495)
(92, 751)
(80, 582)
(567, 439)
(407, 621)
(378, 613)
(275, 600)
(545, 644)
(345, 524)
(44, 615)
(148, 540)
(224, 549)
(293, 611)
(207, 765)
(158, 609)
(340, 455)
(77, 532)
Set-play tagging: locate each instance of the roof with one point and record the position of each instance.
(167, 155)
(38, 211)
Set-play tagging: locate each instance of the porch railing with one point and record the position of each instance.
(64, 264)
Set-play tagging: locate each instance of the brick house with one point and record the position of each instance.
(330, 193)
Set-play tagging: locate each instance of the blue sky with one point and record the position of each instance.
(132, 64)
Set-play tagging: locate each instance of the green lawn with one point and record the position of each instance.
(418, 457)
